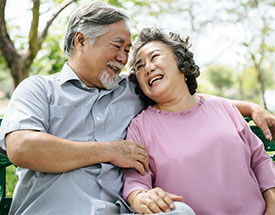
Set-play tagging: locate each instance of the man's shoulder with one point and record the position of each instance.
(40, 79)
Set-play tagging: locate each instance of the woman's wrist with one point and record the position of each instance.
(132, 197)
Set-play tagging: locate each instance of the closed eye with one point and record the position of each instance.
(116, 46)
(139, 67)
(154, 56)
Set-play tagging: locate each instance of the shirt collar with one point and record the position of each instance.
(67, 74)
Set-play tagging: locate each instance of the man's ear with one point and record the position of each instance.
(79, 40)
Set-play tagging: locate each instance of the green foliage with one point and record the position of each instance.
(51, 58)
(116, 3)
(221, 77)
(11, 180)
(5, 78)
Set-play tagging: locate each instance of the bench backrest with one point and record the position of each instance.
(269, 146)
(5, 201)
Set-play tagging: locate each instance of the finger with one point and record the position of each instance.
(152, 205)
(146, 210)
(157, 195)
(169, 204)
(139, 167)
(163, 205)
(145, 161)
(175, 197)
(141, 146)
(263, 126)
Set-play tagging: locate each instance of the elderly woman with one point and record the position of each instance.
(199, 148)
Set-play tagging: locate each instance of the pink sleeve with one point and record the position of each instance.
(261, 164)
(132, 179)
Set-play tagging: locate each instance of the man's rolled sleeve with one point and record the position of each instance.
(28, 109)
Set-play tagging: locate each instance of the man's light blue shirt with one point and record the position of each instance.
(63, 106)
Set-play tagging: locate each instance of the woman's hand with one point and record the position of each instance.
(269, 196)
(152, 201)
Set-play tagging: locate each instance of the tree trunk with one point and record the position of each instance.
(261, 85)
(19, 71)
(19, 62)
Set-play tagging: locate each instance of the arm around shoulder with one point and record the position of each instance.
(262, 118)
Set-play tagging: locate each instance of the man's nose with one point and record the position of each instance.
(122, 57)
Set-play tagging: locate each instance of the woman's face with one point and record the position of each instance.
(157, 72)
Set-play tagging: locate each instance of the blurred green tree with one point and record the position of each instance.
(20, 60)
(221, 77)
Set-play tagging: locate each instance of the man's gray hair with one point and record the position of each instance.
(91, 20)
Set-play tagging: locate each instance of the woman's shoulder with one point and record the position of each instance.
(218, 100)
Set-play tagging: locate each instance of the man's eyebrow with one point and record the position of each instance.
(120, 40)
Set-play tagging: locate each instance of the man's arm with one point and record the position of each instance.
(47, 153)
(262, 118)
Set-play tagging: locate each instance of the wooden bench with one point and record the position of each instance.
(5, 201)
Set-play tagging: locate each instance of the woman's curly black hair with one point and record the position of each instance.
(180, 48)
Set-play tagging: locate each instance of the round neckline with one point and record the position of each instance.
(187, 112)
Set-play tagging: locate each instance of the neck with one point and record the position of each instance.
(78, 70)
(180, 104)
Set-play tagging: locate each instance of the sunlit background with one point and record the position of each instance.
(233, 41)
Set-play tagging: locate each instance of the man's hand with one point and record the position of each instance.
(265, 121)
(152, 201)
(129, 154)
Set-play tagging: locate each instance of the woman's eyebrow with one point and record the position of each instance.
(148, 54)
(137, 62)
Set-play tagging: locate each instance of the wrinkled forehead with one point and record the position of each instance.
(149, 48)
(120, 32)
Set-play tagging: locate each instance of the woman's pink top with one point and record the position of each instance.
(207, 154)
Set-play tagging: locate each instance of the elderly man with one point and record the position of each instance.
(65, 132)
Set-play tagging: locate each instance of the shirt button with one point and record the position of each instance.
(97, 118)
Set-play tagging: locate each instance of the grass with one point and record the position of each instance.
(10, 180)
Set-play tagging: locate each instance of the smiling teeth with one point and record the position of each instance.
(115, 66)
(155, 79)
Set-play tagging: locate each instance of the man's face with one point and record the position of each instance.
(105, 58)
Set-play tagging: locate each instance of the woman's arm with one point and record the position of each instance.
(269, 196)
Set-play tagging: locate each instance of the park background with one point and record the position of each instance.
(233, 42)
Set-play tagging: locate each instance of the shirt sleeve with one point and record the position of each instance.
(27, 109)
(132, 179)
(261, 163)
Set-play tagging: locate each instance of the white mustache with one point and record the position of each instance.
(120, 66)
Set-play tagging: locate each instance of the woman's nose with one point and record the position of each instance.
(150, 67)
